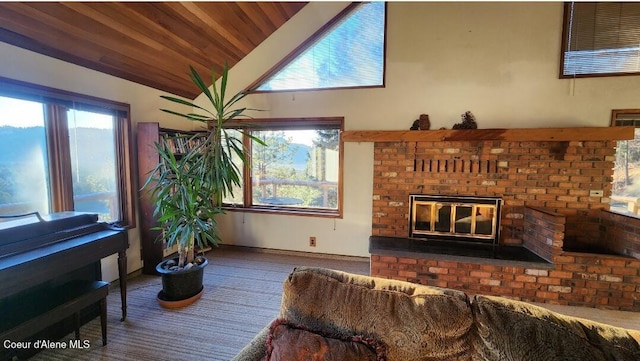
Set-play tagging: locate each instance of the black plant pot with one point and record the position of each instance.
(181, 285)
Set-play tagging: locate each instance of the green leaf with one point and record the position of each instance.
(195, 77)
(223, 81)
(188, 189)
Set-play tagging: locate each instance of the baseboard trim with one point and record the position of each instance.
(294, 253)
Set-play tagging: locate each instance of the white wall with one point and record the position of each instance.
(24, 65)
(498, 60)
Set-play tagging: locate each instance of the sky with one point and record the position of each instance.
(20, 113)
(24, 113)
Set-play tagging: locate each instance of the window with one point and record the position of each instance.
(299, 169)
(625, 193)
(61, 151)
(347, 53)
(600, 38)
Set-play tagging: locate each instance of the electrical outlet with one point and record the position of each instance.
(312, 241)
(596, 193)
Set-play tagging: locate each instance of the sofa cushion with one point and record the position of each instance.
(513, 330)
(287, 342)
(414, 322)
(255, 349)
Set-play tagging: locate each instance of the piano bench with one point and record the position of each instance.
(32, 313)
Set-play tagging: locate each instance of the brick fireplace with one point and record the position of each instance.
(554, 203)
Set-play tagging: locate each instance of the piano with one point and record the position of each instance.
(37, 253)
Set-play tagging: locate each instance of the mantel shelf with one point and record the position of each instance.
(528, 134)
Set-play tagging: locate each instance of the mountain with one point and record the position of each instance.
(300, 156)
(19, 144)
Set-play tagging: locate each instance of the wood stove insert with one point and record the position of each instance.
(455, 218)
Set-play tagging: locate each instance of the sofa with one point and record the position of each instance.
(332, 315)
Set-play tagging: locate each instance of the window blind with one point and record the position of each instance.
(349, 54)
(601, 38)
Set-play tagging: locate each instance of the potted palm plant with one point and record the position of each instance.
(188, 189)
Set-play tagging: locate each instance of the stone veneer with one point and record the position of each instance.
(545, 187)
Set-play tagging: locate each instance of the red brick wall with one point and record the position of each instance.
(543, 232)
(576, 279)
(552, 175)
(620, 234)
(545, 188)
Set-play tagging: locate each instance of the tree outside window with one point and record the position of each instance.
(625, 193)
(297, 171)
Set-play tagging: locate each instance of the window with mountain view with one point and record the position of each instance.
(61, 151)
(349, 53)
(92, 148)
(24, 184)
(298, 170)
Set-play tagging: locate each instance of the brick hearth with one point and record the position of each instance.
(592, 254)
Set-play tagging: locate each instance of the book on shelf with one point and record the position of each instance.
(180, 143)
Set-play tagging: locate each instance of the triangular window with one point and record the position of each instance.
(347, 54)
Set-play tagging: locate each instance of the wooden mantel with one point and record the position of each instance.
(525, 134)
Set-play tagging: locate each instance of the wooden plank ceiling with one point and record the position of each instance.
(150, 43)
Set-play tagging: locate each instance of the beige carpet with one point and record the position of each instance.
(242, 295)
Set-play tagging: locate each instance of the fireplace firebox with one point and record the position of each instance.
(455, 218)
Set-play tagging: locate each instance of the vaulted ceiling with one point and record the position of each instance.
(150, 43)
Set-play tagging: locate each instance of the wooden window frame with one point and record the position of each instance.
(635, 205)
(248, 125)
(565, 46)
(252, 88)
(56, 101)
(615, 112)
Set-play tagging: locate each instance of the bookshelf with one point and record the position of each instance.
(149, 133)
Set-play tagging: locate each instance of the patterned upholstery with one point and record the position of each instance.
(418, 322)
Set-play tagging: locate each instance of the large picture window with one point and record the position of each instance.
(625, 193)
(297, 171)
(61, 151)
(600, 39)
